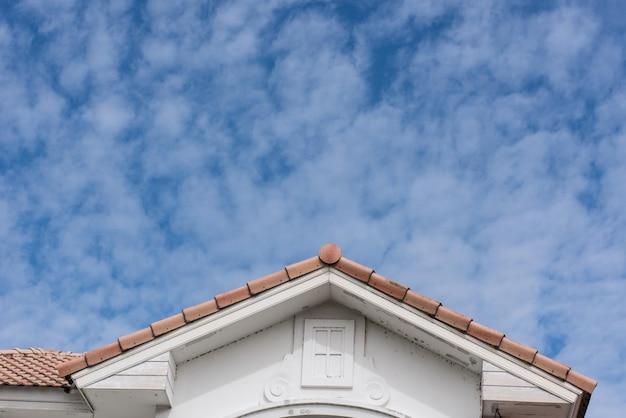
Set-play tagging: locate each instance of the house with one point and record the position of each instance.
(324, 337)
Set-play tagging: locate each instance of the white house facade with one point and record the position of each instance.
(325, 337)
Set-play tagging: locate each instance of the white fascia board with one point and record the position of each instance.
(201, 328)
(532, 374)
(48, 401)
(44, 409)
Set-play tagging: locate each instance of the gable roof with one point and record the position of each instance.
(33, 367)
(330, 256)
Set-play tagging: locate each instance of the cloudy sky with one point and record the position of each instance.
(153, 155)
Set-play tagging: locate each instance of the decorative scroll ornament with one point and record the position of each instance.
(376, 391)
(277, 389)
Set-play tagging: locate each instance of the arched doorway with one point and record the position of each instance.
(320, 409)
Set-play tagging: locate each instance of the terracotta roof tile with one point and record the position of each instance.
(232, 296)
(387, 286)
(136, 338)
(551, 366)
(34, 367)
(329, 254)
(354, 269)
(486, 334)
(452, 318)
(267, 282)
(103, 353)
(580, 381)
(303, 267)
(167, 324)
(72, 366)
(518, 350)
(421, 302)
(200, 310)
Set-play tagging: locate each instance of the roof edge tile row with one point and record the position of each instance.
(330, 255)
(33, 367)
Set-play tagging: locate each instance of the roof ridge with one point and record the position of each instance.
(331, 255)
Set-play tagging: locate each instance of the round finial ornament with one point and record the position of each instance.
(330, 253)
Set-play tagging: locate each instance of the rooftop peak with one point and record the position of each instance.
(330, 253)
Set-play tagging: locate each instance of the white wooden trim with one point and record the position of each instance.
(561, 389)
(189, 333)
(519, 394)
(25, 400)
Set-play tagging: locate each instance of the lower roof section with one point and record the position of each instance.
(33, 367)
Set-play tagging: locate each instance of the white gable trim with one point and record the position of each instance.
(151, 381)
(310, 288)
(281, 302)
(53, 402)
(411, 318)
(513, 396)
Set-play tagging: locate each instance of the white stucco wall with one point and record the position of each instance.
(422, 383)
(233, 379)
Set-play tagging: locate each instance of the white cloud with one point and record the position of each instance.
(109, 115)
(161, 53)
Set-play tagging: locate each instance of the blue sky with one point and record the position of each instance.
(155, 154)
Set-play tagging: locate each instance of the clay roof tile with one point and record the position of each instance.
(330, 253)
(103, 353)
(421, 302)
(453, 318)
(580, 381)
(136, 338)
(551, 366)
(385, 285)
(301, 268)
(34, 367)
(486, 334)
(354, 269)
(518, 350)
(267, 282)
(167, 324)
(232, 296)
(200, 310)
